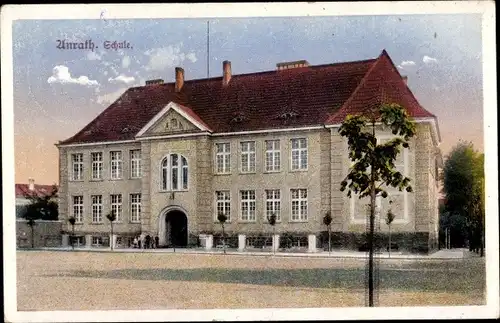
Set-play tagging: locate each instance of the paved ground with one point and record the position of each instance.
(440, 254)
(55, 280)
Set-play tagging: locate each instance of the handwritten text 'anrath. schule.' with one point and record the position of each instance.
(90, 45)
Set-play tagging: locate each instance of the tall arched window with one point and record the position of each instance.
(175, 173)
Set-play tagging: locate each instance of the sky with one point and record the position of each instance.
(58, 91)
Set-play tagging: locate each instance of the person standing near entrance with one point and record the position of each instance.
(157, 241)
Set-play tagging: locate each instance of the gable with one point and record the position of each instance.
(382, 84)
(170, 123)
(174, 118)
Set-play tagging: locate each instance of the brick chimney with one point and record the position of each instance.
(179, 79)
(405, 79)
(226, 72)
(31, 184)
(290, 65)
(155, 81)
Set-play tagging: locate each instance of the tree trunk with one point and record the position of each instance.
(372, 228)
(73, 237)
(329, 239)
(223, 240)
(390, 245)
(111, 238)
(272, 240)
(32, 237)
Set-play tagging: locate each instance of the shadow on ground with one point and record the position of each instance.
(409, 278)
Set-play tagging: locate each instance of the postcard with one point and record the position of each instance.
(254, 161)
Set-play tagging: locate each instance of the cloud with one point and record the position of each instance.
(191, 57)
(406, 63)
(167, 57)
(429, 60)
(93, 56)
(111, 97)
(126, 62)
(60, 74)
(122, 79)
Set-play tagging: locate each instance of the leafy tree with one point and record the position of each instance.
(463, 178)
(327, 220)
(222, 219)
(40, 207)
(111, 216)
(72, 221)
(373, 163)
(272, 221)
(388, 220)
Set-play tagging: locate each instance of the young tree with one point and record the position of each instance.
(373, 163)
(40, 207)
(388, 220)
(272, 221)
(72, 221)
(222, 219)
(327, 220)
(111, 216)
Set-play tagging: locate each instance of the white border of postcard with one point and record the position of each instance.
(131, 11)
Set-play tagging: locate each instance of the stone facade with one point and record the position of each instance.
(327, 165)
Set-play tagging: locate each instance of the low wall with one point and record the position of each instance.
(414, 242)
(45, 234)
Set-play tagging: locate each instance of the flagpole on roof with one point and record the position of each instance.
(208, 49)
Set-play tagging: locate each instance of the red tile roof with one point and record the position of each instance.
(23, 191)
(309, 96)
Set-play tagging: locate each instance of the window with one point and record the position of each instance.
(135, 163)
(135, 208)
(78, 241)
(273, 204)
(78, 208)
(96, 241)
(223, 158)
(247, 205)
(399, 162)
(223, 204)
(116, 206)
(248, 156)
(77, 167)
(96, 208)
(299, 154)
(116, 164)
(174, 123)
(273, 156)
(175, 173)
(96, 165)
(299, 205)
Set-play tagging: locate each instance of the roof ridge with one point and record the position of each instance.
(356, 90)
(217, 78)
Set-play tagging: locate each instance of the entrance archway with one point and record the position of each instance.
(176, 233)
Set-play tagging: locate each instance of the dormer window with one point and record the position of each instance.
(288, 115)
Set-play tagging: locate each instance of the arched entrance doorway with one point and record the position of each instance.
(176, 228)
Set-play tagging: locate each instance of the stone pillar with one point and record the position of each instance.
(65, 240)
(112, 241)
(88, 241)
(276, 242)
(311, 243)
(242, 239)
(203, 240)
(209, 241)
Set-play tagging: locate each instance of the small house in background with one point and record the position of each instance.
(24, 191)
(46, 233)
